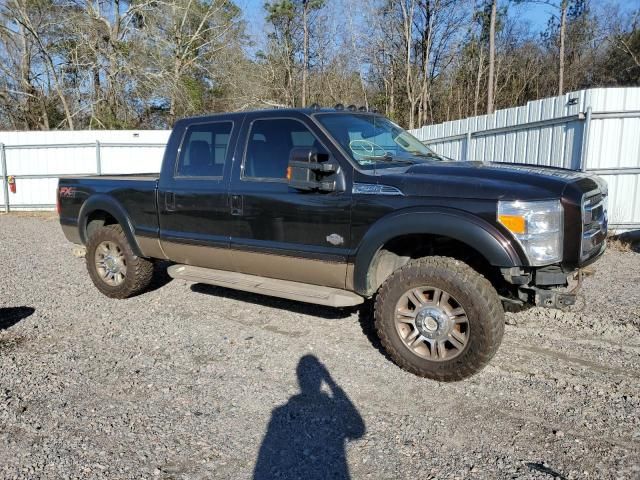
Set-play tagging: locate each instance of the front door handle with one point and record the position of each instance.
(236, 205)
(170, 201)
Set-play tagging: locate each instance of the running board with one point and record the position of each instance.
(302, 292)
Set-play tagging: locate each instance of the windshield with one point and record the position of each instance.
(371, 139)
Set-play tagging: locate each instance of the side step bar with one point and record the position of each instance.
(303, 292)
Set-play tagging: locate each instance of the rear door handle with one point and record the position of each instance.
(170, 201)
(236, 205)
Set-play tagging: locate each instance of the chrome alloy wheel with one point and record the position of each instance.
(110, 263)
(432, 323)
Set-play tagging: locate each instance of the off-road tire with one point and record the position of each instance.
(473, 292)
(139, 270)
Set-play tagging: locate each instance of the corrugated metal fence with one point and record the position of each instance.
(596, 130)
(35, 160)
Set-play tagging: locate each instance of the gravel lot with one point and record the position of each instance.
(192, 381)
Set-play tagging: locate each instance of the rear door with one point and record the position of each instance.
(277, 231)
(193, 206)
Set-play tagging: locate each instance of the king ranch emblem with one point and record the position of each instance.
(335, 239)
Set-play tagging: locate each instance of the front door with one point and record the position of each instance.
(193, 206)
(277, 231)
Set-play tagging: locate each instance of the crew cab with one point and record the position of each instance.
(342, 207)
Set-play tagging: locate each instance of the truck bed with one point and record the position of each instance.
(127, 176)
(133, 194)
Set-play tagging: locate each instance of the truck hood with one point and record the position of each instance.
(489, 180)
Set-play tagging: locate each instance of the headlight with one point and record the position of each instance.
(538, 227)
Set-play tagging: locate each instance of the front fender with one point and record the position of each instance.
(101, 202)
(469, 229)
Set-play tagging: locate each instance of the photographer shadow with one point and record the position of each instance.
(306, 438)
(11, 315)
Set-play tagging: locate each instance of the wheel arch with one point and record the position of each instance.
(100, 205)
(474, 233)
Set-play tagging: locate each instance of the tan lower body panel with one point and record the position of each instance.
(71, 233)
(150, 247)
(349, 283)
(318, 272)
(304, 292)
(295, 269)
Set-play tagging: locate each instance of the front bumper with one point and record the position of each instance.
(549, 287)
(551, 298)
(547, 292)
(552, 286)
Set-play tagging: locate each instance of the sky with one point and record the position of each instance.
(254, 14)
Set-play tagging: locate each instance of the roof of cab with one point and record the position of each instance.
(274, 112)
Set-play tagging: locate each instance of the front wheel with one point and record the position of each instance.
(438, 318)
(113, 267)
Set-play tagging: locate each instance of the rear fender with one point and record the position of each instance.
(105, 203)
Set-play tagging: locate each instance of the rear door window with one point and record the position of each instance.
(204, 150)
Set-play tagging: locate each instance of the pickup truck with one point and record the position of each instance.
(340, 207)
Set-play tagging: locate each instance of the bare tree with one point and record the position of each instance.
(563, 29)
(358, 49)
(476, 96)
(408, 9)
(145, 63)
(492, 56)
(185, 38)
(27, 15)
(23, 103)
(560, 7)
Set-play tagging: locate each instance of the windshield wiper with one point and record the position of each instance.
(427, 155)
(388, 158)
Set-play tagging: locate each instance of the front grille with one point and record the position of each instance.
(594, 224)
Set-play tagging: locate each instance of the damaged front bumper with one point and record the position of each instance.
(548, 298)
(550, 287)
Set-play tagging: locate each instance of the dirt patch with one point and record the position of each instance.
(43, 214)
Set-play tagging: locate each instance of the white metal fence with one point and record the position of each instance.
(35, 160)
(596, 130)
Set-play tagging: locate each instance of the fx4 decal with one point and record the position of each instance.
(67, 192)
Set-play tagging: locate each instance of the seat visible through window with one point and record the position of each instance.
(270, 144)
(204, 151)
(199, 161)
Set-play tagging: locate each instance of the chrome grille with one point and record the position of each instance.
(594, 224)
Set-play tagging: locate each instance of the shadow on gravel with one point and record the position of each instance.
(12, 315)
(160, 276)
(306, 437)
(627, 241)
(539, 467)
(274, 302)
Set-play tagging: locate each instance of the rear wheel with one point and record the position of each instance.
(438, 318)
(113, 267)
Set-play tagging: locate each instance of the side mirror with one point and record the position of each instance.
(310, 170)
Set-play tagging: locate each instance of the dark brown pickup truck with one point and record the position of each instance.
(338, 207)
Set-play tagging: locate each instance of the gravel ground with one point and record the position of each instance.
(192, 381)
